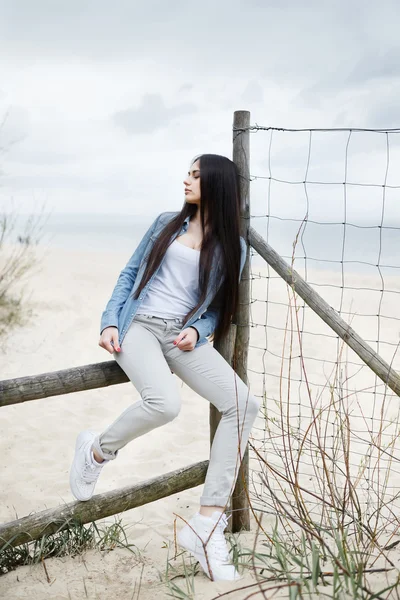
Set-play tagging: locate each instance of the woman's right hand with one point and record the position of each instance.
(108, 335)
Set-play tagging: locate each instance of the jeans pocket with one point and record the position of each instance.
(140, 316)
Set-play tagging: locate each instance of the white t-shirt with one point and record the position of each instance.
(174, 291)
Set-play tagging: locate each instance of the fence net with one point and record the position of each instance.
(326, 444)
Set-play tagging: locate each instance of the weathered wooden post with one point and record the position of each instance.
(234, 347)
(241, 156)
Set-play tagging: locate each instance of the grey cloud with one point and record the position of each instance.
(293, 64)
(376, 65)
(275, 39)
(96, 30)
(382, 110)
(14, 126)
(372, 107)
(355, 74)
(253, 92)
(385, 116)
(186, 87)
(151, 115)
(44, 156)
(310, 44)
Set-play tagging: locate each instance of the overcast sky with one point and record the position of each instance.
(105, 103)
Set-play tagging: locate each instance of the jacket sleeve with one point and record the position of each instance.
(208, 321)
(125, 282)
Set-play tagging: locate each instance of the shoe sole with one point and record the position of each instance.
(74, 473)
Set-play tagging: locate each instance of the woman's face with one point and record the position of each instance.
(192, 184)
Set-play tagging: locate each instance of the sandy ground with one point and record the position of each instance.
(37, 438)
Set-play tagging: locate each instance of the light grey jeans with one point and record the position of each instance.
(147, 357)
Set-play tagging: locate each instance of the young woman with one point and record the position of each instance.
(179, 288)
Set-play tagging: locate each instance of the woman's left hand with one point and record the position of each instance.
(187, 339)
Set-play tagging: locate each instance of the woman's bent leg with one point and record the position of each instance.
(206, 371)
(142, 359)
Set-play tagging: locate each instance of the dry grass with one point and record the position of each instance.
(18, 260)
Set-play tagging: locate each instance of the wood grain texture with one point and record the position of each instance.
(241, 157)
(76, 379)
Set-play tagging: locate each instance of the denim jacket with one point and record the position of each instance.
(121, 308)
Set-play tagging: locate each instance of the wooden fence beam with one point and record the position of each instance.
(328, 314)
(76, 379)
(241, 157)
(104, 505)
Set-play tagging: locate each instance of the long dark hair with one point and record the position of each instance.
(220, 201)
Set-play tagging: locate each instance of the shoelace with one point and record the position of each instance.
(90, 472)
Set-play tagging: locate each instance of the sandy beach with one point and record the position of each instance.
(69, 293)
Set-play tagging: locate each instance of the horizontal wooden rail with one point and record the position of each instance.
(326, 312)
(76, 379)
(101, 506)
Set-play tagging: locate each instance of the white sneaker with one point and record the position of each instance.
(84, 470)
(220, 567)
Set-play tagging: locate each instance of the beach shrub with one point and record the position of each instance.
(18, 259)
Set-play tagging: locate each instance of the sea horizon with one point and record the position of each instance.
(324, 245)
